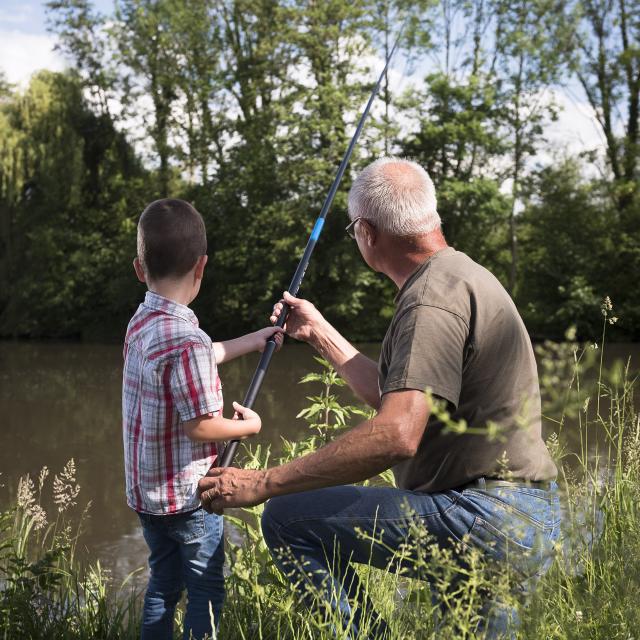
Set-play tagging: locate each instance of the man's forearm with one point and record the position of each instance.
(361, 453)
(374, 445)
(360, 372)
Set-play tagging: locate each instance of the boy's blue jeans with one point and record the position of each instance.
(316, 536)
(187, 550)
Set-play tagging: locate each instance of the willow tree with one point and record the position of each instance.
(68, 187)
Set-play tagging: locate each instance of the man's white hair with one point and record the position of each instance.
(397, 196)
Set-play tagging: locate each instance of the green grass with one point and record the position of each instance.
(46, 592)
(591, 592)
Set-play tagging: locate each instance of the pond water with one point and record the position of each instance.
(62, 400)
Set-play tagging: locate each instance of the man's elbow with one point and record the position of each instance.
(404, 445)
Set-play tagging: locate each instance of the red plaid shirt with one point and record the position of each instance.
(170, 376)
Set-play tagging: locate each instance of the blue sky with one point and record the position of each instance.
(28, 16)
(25, 43)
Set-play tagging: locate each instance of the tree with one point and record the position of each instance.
(196, 28)
(334, 42)
(245, 201)
(147, 47)
(606, 60)
(567, 244)
(245, 107)
(457, 145)
(458, 136)
(84, 38)
(530, 39)
(70, 187)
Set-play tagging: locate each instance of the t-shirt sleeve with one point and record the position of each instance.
(427, 350)
(195, 386)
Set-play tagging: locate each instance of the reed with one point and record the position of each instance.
(46, 590)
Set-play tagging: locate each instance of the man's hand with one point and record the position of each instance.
(230, 487)
(303, 321)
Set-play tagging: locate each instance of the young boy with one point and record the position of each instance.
(172, 415)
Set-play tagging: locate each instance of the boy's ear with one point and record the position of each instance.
(199, 270)
(139, 270)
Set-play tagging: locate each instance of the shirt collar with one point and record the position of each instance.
(160, 303)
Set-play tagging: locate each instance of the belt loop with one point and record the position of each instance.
(482, 484)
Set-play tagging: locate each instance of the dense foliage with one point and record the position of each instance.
(245, 107)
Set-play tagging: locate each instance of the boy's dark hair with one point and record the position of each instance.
(173, 238)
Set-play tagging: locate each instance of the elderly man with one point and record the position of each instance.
(456, 333)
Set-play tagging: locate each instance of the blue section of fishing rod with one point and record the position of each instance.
(296, 281)
(317, 229)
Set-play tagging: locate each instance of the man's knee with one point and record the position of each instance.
(273, 518)
(279, 520)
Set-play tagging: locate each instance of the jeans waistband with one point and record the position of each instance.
(488, 483)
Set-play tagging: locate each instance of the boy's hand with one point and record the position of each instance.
(251, 419)
(262, 335)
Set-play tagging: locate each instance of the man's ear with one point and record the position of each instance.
(139, 270)
(370, 233)
(199, 270)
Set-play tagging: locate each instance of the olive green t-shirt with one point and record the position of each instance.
(457, 332)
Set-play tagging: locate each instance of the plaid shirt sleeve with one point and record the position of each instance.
(194, 383)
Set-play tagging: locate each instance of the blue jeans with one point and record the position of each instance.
(187, 550)
(316, 536)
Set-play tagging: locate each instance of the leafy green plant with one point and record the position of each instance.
(326, 415)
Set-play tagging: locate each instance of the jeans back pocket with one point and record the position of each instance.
(515, 530)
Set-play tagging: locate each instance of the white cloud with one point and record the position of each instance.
(576, 128)
(575, 131)
(23, 53)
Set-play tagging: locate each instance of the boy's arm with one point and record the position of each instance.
(230, 349)
(209, 429)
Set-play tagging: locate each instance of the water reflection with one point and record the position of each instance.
(62, 400)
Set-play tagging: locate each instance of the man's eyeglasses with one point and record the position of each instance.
(351, 228)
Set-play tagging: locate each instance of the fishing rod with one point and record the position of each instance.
(296, 281)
